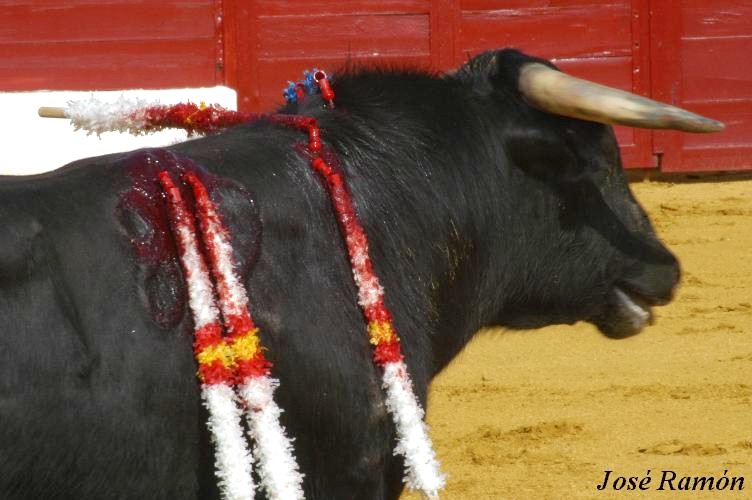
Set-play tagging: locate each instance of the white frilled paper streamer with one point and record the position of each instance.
(232, 458)
(273, 449)
(422, 470)
(96, 117)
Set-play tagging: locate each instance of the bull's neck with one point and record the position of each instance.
(423, 200)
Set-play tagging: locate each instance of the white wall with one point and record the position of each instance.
(32, 144)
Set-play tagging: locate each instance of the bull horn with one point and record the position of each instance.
(550, 90)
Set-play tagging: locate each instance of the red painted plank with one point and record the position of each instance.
(717, 68)
(703, 18)
(719, 159)
(580, 31)
(64, 21)
(343, 36)
(524, 4)
(107, 65)
(110, 44)
(315, 8)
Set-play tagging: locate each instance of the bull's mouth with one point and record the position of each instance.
(627, 313)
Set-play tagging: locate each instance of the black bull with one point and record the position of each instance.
(480, 211)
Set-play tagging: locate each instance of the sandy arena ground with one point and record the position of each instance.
(541, 414)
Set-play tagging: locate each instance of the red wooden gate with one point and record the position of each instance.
(693, 53)
(702, 59)
(600, 41)
(117, 44)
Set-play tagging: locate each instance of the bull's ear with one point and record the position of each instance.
(496, 71)
(542, 153)
(18, 232)
(504, 74)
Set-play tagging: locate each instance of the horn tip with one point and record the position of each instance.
(709, 126)
(717, 126)
(688, 121)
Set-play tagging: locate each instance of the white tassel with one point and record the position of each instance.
(95, 116)
(200, 289)
(277, 466)
(413, 443)
(232, 458)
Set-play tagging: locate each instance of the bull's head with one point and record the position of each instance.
(574, 243)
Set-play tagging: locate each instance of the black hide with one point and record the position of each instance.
(479, 209)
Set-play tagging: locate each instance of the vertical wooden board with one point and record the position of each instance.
(219, 41)
(665, 43)
(241, 54)
(641, 155)
(230, 13)
(445, 33)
